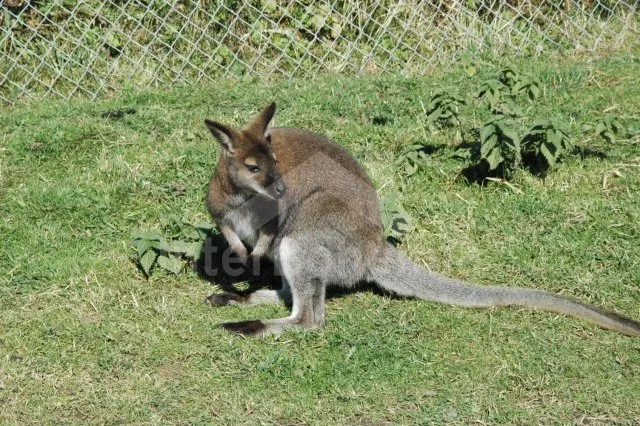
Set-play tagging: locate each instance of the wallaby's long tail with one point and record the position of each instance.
(394, 272)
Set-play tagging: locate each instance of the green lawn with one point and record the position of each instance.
(84, 337)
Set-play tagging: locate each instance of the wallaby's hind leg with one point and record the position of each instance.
(307, 312)
(318, 305)
(308, 298)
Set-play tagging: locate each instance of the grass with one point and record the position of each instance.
(86, 338)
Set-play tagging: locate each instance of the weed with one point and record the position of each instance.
(443, 108)
(609, 127)
(500, 145)
(546, 142)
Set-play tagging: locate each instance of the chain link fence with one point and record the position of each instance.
(65, 48)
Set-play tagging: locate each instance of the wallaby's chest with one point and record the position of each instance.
(245, 224)
(250, 217)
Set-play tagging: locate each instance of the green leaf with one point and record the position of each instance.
(433, 117)
(170, 263)
(517, 88)
(193, 249)
(204, 225)
(494, 99)
(387, 209)
(486, 131)
(395, 219)
(463, 153)
(336, 29)
(510, 134)
(410, 169)
(188, 248)
(147, 260)
(534, 92)
(554, 138)
(403, 222)
(609, 136)
(113, 40)
(141, 246)
(471, 70)
(494, 159)
(149, 236)
(269, 6)
(488, 146)
(617, 126)
(546, 153)
(317, 22)
(446, 113)
(162, 245)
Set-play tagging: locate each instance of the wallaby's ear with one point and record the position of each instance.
(226, 136)
(261, 125)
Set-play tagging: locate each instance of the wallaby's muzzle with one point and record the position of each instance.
(276, 185)
(279, 188)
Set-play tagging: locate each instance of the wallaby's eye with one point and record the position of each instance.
(253, 169)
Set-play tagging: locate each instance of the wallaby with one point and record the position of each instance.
(305, 202)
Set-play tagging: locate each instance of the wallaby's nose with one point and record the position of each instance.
(280, 188)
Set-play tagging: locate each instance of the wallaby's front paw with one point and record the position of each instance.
(241, 254)
(224, 299)
(245, 328)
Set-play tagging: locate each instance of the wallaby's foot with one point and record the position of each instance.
(225, 299)
(307, 313)
(258, 328)
(258, 297)
(245, 328)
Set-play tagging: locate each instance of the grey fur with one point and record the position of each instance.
(325, 229)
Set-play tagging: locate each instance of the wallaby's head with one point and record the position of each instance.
(248, 157)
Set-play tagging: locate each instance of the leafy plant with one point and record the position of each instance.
(499, 98)
(528, 85)
(500, 145)
(153, 249)
(443, 108)
(395, 219)
(520, 82)
(501, 92)
(411, 159)
(547, 140)
(608, 127)
(509, 75)
(493, 91)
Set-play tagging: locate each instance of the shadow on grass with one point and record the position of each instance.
(228, 273)
(478, 173)
(430, 149)
(589, 153)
